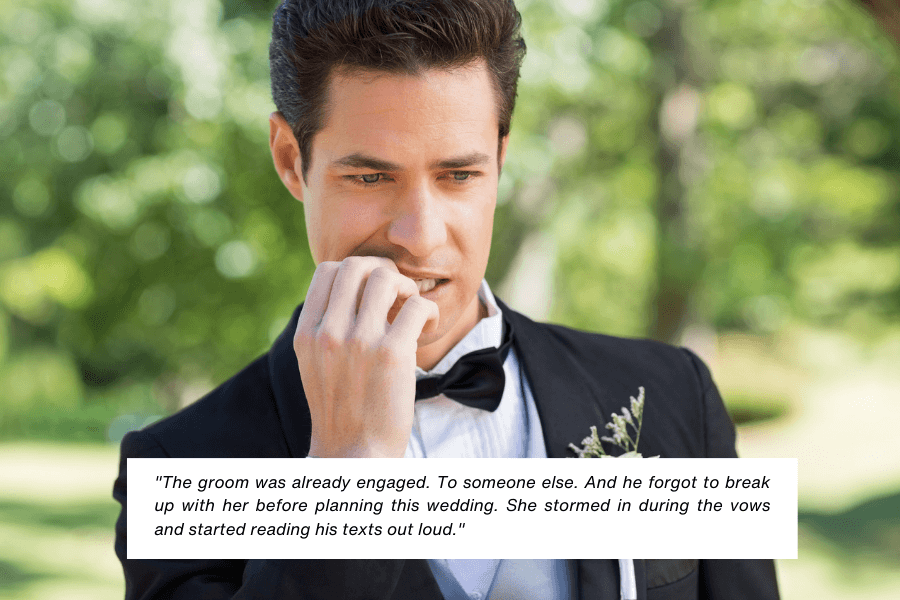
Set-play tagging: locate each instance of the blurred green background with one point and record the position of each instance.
(720, 174)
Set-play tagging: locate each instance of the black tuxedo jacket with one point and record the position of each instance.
(577, 380)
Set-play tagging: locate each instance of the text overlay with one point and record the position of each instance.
(461, 508)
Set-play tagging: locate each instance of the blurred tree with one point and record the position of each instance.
(145, 235)
(887, 13)
(740, 166)
(676, 107)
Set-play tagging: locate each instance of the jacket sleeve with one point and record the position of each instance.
(728, 579)
(201, 579)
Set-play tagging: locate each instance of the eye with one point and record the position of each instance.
(370, 177)
(461, 175)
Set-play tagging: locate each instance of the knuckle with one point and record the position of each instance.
(358, 344)
(328, 341)
(387, 264)
(302, 340)
(408, 284)
(327, 265)
(353, 262)
(389, 353)
(325, 268)
(418, 303)
(382, 274)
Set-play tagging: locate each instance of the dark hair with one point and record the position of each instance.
(310, 38)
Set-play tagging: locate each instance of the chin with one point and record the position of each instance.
(427, 339)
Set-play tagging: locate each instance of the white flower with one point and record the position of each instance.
(592, 446)
(637, 404)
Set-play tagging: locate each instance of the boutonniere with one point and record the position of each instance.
(592, 446)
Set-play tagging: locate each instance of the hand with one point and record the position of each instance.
(358, 369)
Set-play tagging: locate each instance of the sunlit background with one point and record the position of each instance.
(720, 174)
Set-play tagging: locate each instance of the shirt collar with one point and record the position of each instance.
(487, 333)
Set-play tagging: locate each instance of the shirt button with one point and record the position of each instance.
(476, 596)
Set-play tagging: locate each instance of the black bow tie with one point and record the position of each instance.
(476, 380)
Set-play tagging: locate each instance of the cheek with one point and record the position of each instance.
(313, 231)
(355, 222)
(474, 229)
(336, 231)
(482, 228)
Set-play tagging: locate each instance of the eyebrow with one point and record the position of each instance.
(475, 159)
(358, 160)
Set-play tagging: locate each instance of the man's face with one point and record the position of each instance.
(406, 168)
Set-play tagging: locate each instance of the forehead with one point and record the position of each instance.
(391, 113)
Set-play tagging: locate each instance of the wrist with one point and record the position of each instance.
(355, 451)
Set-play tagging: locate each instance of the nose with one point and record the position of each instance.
(419, 224)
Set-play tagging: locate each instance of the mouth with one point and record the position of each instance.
(426, 285)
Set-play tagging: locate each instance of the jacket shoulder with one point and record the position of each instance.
(633, 357)
(237, 419)
(684, 416)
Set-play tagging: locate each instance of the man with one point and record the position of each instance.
(392, 129)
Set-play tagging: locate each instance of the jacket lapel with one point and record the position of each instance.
(567, 407)
(566, 404)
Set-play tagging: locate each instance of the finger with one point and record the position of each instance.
(384, 288)
(347, 289)
(418, 315)
(317, 296)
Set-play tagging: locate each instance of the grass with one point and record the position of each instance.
(56, 522)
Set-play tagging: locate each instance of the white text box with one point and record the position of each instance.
(462, 508)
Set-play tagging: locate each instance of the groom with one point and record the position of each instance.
(392, 127)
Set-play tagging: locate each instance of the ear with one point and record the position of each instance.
(286, 155)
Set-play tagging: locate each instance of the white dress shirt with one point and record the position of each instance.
(445, 428)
